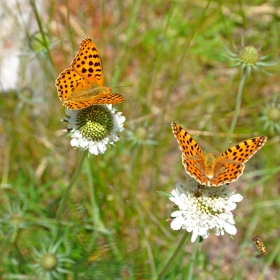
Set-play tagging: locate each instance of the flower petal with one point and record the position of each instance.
(176, 214)
(194, 235)
(93, 149)
(230, 229)
(236, 198)
(177, 223)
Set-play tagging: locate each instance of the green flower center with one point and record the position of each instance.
(273, 114)
(16, 219)
(95, 122)
(206, 208)
(141, 133)
(204, 203)
(37, 42)
(49, 261)
(249, 55)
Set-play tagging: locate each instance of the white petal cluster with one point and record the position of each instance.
(201, 209)
(94, 146)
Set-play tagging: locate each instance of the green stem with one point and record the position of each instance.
(147, 245)
(193, 260)
(35, 11)
(237, 106)
(5, 242)
(66, 192)
(146, 240)
(129, 35)
(95, 212)
(97, 219)
(174, 256)
(70, 30)
(182, 60)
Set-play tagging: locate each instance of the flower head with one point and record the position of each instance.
(141, 135)
(249, 57)
(271, 117)
(201, 209)
(40, 43)
(13, 218)
(49, 263)
(94, 127)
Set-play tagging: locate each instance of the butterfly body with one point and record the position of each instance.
(214, 171)
(210, 162)
(85, 94)
(82, 85)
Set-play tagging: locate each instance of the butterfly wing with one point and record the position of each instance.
(193, 158)
(82, 85)
(87, 63)
(100, 99)
(230, 163)
(69, 82)
(107, 98)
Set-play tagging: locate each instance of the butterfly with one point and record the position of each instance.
(82, 85)
(214, 171)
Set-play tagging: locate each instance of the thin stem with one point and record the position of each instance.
(66, 192)
(95, 212)
(129, 35)
(237, 105)
(174, 256)
(97, 219)
(193, 261)
(134, 177)
(179, 65)
(146, 240)
(5, 240)
(70, 30)
(35, 11)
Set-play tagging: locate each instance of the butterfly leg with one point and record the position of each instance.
(220, 169)
(200, 172)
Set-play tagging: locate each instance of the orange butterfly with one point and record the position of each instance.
(82, 85)
(213, 171)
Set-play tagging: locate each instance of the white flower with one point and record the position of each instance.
(141, 135)
(249, 57)
(201, 209)
(271, 117)
(94, 128)
(49, 264)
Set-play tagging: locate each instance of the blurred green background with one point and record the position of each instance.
(114, 223)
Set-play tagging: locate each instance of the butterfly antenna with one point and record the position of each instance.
(206, 147)
(123, 86)
(202, 142)
(115, 70)
(120, 86)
